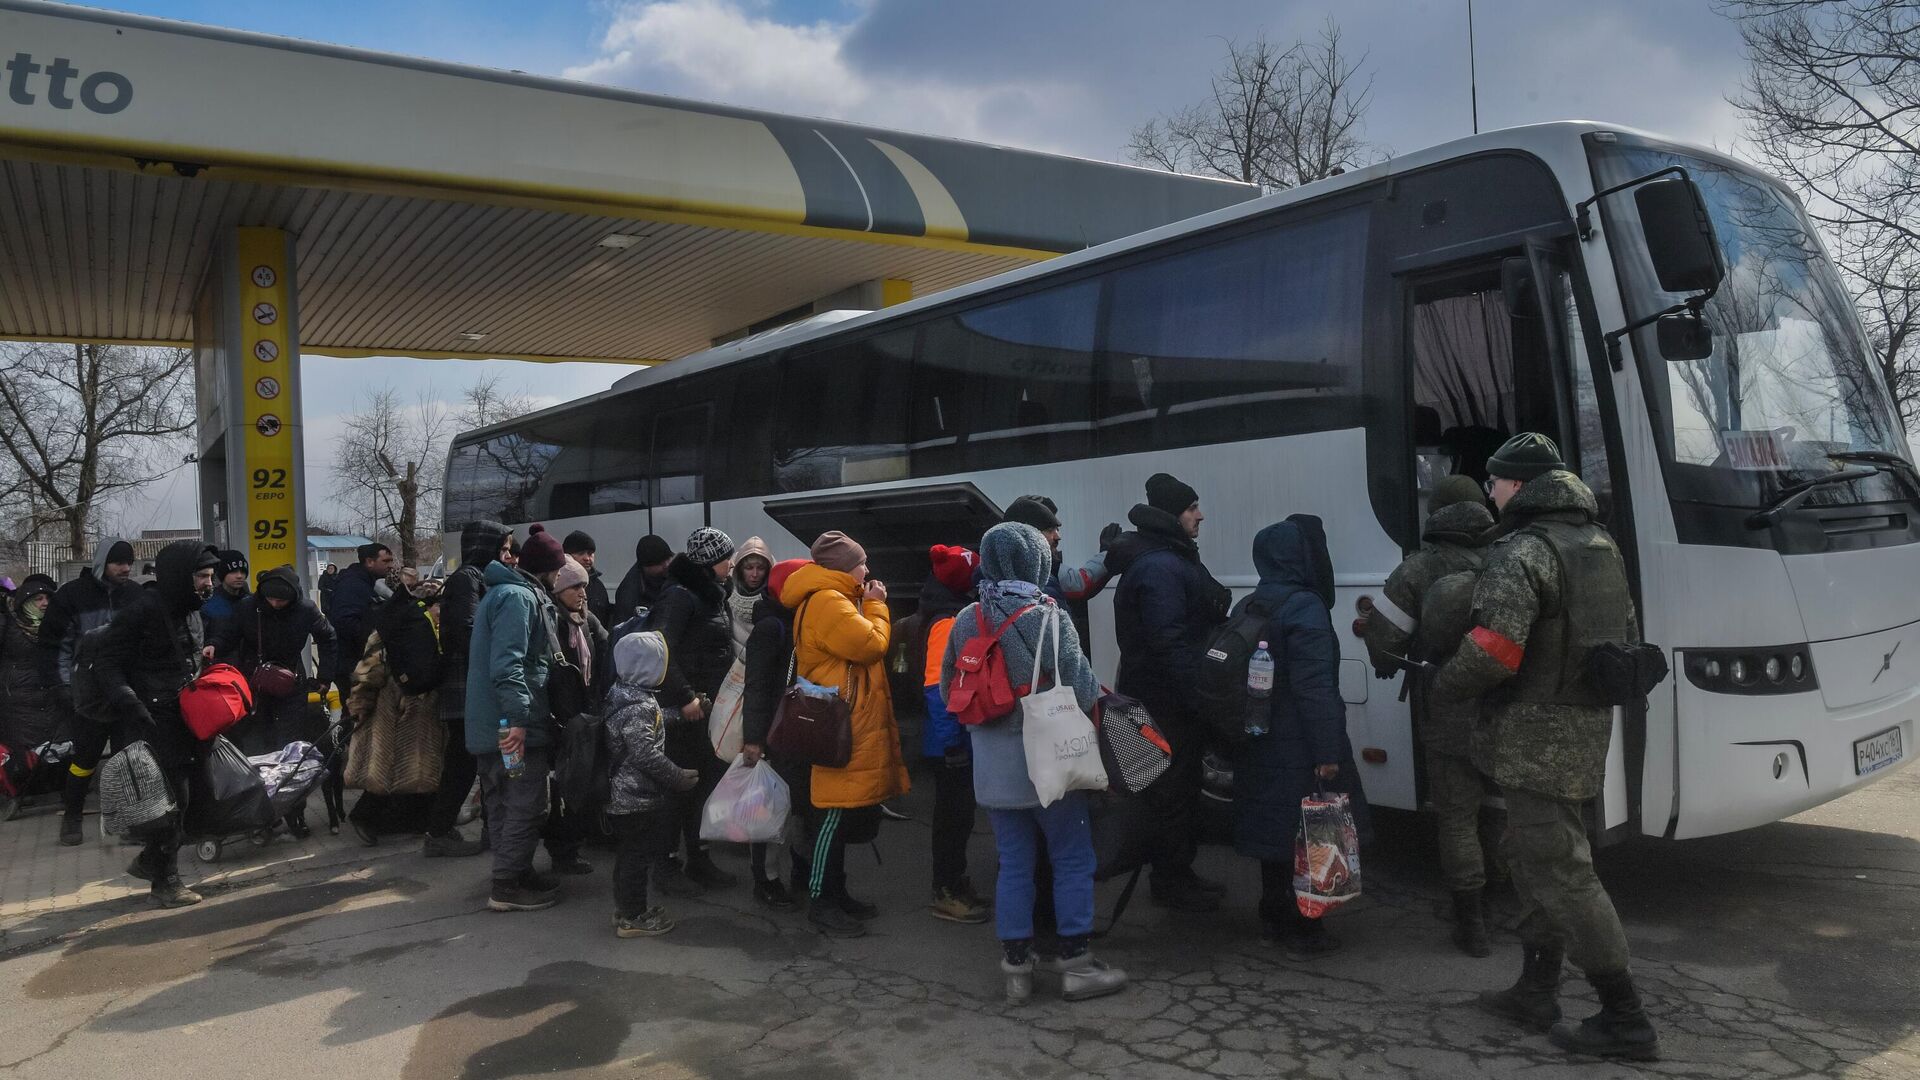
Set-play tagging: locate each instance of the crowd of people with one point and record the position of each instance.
(1489, 620)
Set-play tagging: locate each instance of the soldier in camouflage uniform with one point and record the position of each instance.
(1412, 619)
(1555, 586)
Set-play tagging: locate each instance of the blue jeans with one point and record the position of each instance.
(1069, 834)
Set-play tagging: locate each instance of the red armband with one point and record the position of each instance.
(1498, 646)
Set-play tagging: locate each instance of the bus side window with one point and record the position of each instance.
(680, 455)
(841, 415)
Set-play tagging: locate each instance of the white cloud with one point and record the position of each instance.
(722, 50)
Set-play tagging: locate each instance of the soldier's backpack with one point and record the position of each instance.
(1221, 690)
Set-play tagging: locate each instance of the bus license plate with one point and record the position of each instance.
(1876, 752)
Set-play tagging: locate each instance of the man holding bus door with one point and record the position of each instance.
(1554, 591)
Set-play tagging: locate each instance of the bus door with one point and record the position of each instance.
(682, 439)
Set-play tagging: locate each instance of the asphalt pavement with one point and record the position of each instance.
(1786, 951)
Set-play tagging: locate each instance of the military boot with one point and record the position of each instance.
(1532, 1000)
(1470, 923)
(1619, 1029)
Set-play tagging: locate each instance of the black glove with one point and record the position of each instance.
(1109, 534)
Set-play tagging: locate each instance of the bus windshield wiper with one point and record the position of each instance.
(1794, 494)
(1896, 464)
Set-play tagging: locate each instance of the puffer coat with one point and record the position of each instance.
(1307, 721)
(842, 642)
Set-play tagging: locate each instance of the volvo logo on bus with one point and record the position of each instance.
(103, 92)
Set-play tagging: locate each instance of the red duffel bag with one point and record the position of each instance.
(217, 700)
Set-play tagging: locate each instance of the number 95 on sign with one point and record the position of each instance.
(272, 529)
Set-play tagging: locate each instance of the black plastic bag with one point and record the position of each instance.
(228, 794)
(582, 772)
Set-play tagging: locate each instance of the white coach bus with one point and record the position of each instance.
(1331, 350)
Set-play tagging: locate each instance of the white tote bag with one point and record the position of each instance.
(1063, 750)
(723, 724)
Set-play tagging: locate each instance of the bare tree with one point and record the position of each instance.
(1832, 103)
(389, 462)
(1277, 116)
(80, 424)
(488, 401)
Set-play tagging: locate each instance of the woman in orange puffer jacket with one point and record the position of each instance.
(841, 633)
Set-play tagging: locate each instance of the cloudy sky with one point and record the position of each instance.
(1070, 76)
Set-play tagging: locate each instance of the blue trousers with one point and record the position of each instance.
(1069, 834)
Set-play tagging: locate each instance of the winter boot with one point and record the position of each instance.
(1532, 1000)
(1619, 1029)
(171, 892)
(1083, 977)
(1470, 924)
(1019, 980)
(825, 915)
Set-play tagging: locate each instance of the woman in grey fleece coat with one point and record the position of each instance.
(646, 783)
(1016, 561)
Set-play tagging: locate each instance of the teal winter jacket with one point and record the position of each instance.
(507, 661)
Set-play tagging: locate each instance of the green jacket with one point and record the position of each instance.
(1453, 541)
(508, 659)
(1552, 748)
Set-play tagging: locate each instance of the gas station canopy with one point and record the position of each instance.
(447, 211)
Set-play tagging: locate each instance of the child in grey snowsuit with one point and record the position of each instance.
(646, 783)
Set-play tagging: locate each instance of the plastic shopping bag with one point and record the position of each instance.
(723, 723)
(1063, 749)
(749, 806)
(228, 795)
(1326, 855)
(290, 774)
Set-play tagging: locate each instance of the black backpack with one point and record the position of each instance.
(1222, 686)
(89, 693)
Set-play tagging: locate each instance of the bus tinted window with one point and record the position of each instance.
(619, 461)
(1007, 384)
(1247, 338)
(680, 455)
(841, 415)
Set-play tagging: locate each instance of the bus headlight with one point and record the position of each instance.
(1785, 670)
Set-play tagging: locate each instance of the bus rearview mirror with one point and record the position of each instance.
(1684, 336)
(1679, 236)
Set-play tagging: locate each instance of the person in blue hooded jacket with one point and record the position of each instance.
(1305, 748)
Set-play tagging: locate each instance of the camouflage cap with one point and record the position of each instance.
(1455, 489)
(1524, 457)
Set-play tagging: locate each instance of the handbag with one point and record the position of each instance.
(1063, 750)
(215, 701)
(269, 679)
(566, 683)
(1132, 748)
(812, 725)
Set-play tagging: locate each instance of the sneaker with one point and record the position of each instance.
(825, 915)
(71, 834)
(172, 893)
(702, 871)
(953, 906)
(539, 882)
(667, 878)
(774, 894)
(366, 835)
(859, 909)
(452, 845)
(650, 923)
(518, 896)
(573, 867)
(1083, 977)
(1182, 894)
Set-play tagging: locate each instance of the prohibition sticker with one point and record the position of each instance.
(266, 351)
(264, 276)
(268, 424)
(264, 314)
(267, 387)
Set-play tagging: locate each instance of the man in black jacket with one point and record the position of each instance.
(481, 544)
(646, 579)
(149, 653)
(273, 626)
(579, 545)
(354, 598)
(692, 616)
(1165, 608)
(85, 603)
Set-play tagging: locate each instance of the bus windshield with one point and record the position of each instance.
(1789, 382)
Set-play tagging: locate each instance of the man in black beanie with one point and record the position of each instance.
(229, 588)
(581, 546)
(1166, 606)
(645, 580)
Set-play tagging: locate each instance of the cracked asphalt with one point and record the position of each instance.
(1787, 951)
